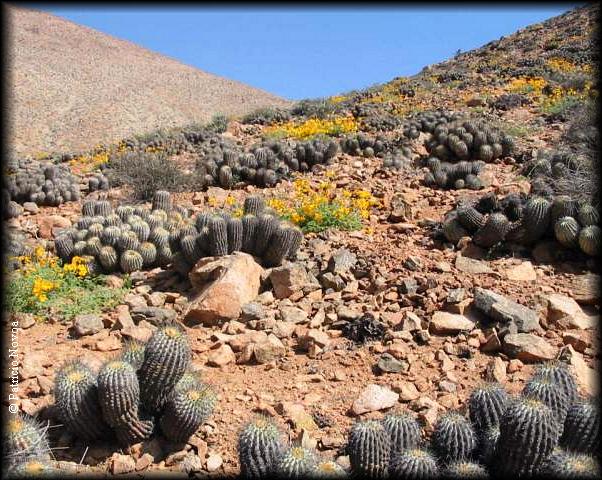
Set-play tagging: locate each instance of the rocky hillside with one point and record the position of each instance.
(72, 87)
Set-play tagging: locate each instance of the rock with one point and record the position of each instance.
(341, 261)
(315, 336)
(289, 279)
(401, 209)
(154, 315)
(577, 339)
(32, 365)
(48, 222)
(31, 207)
(142, 332)
(563, 307)
(475, 102)
(225, 284)
(25, 320)
(283, 329)
(293, 314)
(492, 343)
(522, 273)
(586, 288)
(504, 310)
(455, 295)
(449, 323)
(528, 347)
(145, 461)
(114, 281)
(121, 464)
(108, 344)
(388, 363)
(88, 324)
(296, 413)
(374, 398)
(413, 263)
(221, 356)
(411, 322)
(496, 370)
(586, 377)
(447, 386)
(471, 265)
(269, 350)
(514, 365)
(545, 252)
(133, 301)
(407, 391)
(251, 311)
(329, 280)
(408, 286)
(214, 462)
(124, 319)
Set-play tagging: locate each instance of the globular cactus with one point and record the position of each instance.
(202, 220)
(159, 237)
(225, 176)
(218, 237)
(488, 203)
(186, 410)
(413, 463)
(235, 235)
(282, 242)
(249, 226)
(582, 428)
(404, 431)
(131, 261)
(93, 246)
(558, 373)
(112, 220)
(108, 258)
(473, 182)
(470, 218)
(32, 468)
(103, 208)
(562, 206)
(486, 405)
(295, 462)
(486, 153)
(260, 444)
(110, 236)
(513, 207)
(148, 252)
(191, 249)
(63, 245)
(547, 391)
(133, 353)
(142, 230)
(488, 442)
(166, 358)
(96, 229)
(453, 438)
(23, 438)
(494, 231)
(89, 208)
(528, 434)
(369, 448)
(459, 184)
(590, 240)
(162, 201)
(124, 211)
(562, 464)
(76, 398)
(465, 469)
(266, 225)
(165, 256)
(536, 217)
(327, 469)
(440, 178)
(588, 215)
(119, 396)
(128, 241)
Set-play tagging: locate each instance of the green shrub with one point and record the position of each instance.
(218, 123)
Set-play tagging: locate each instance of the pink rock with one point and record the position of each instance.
(446, 323)
(221, 356)
(374, 398)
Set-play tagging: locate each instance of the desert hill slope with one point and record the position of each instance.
(71, 87)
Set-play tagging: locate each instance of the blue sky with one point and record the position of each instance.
(307, 52)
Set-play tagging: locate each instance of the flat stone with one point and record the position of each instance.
(413, 263)
(296, 413)
(411, 322)
(25, 320)
(586, 288)
(577, 339)
(330, 280)
(108, 344)
(455, 295)
(522, 273)
(496, 370)
(504, 310)
(31, 207)
(407, 391)
(88, 324)
(283, 329)
(449, 323)
(293, 314)
(269, 350)
(252, 311)
(121, 464)
(124, 319)
(563, 307)
(586, 377)
(315, 336)
(48, 222)
(32, 365)
(341, 261)
(214, 462)
(221, 356)
(471, 265)
(374, 398)
(389, 364)
(289, 279)
(154, 315)
(528, 347)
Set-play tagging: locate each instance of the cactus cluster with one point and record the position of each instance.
(97, 181)
(469, 140)
(147, 388)
(443, 174)
(399, 159)
(548, 165)
(427, 121)
(24, 440)
(363, 145)
(42, 183)
(525, 220)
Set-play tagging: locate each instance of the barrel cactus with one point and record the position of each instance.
(296, 462)
(404, 430)
(260, 444)
(453, 438)
(413, 463)
(590, 240)
(369, 448)
(582, 427)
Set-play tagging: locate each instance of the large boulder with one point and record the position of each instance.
(224, 285)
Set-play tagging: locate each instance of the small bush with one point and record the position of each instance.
(267, 116)
(42, 285)
(314, 127)
(316, 108)
(218, 123)
(147, 172)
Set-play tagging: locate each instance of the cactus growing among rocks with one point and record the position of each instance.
(465, 469)
(547, 391)
(296, 462)
(260, 444)
(369, 448)
(582, 428)
(413, 463)
(563, 464)
(590, 240)
(558, 373)
(486, 405)
(24, 438)
(453, 438)
(404, 430)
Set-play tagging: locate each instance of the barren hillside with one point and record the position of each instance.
(72, 87)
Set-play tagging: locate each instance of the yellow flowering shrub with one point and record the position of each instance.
(526, 85)
(318, 207)
(314, 126)
(42, 284)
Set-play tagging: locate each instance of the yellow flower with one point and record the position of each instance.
(41, 287)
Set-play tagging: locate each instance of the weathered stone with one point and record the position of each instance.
(401, 209)
(330, 280)
(32, 365)
(586, 288)
(413, 263)
(87, 324)
(567, 309)
(252, 311)
(289, 279)
(528, 347)
(389, 364)
(449, 323)
(408, 286)
(48, 222)
(455, 295)
(492, 343)
(108, 344)
(225, 284)
(524, 272)
(407, 391)
(121, 464)
(296, 413)
(317, 337)
(471, 265)
(221, 356)
(411, 322)
(341, 261)
(25, 320)
(269, 350)
(586, 377)
(214, 462)
(496, 370)
(504, 310)
(293, 314)
(154, 315)
(577, 339)
(283, 329)
(374, 398)
(133, 301)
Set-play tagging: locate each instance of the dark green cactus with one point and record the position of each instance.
(202, 220)
(190, 249)
(536, 216)
(453, 229)
(528, 434)
(166, 358)
(148, 252)
(470, 218)
(413, 463)
(488, 203)
(513, 207)
(186, 410)
(37, 467)
(488, 441)
(582, 428)
(89, 208)
(124, 211)
(93, 246)
(162, 201)
(260, 444)
(63, 245)
(266, 226)
(465, 469)
(327, 469)
(486, 405)
(486, 153)
(440, 178)
(119, 396)
(562, 206)
(453, 438)
(459, 184)
(404, 431)
(159, 237)
(562, 464)
(96, 229)
(142, 230)
(110, 236)
(558, 373)
(165, 256)
(218, 236)
(225, 176)
(296, 462)
(103, 208)
(590, 240)
(235, 235)
(494, 231)
(76, 398)
(112, 220)
(133, 353)
(249, 227)
(128, 241)
(588, 215)
(282, 242)
(369, 448)
(548, 392)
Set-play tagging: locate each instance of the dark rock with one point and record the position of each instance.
(506, 311)
(153, 315)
